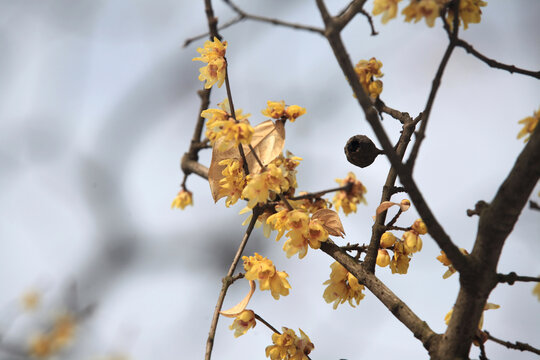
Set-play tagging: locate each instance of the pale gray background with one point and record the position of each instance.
(98, 102)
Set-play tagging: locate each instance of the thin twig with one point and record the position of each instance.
(402, 117)
(266, 323)
(421, 133)
(318, 194)
(224, 26)
(227, 281)
(533, 205)
(394, 219)
(516, 346)
(245, 15)
(512, 277)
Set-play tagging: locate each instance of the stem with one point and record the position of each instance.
(227, 281)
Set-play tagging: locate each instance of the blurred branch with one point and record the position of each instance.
(516, 346)
(224, 26)
(244, 15)
(533, 205)
(512, 277)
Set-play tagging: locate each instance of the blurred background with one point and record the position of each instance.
(97, 105)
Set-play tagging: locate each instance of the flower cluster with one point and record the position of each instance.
(263, 270)
(446, 262)
(55, 339)
(302, 230)
(367, 70)
(233, 182)
(403, 249)
(348, 199)
(243, 322)
(342, 287)
(182, 199)
(278, 110)
(288, 346)
(529, 124)
(213, 54)
(469, 11)
(221, 125)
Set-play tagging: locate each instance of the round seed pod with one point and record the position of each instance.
(361, 151)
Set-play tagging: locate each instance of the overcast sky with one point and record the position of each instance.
(98, 103)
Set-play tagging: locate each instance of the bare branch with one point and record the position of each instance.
(278, 22)
(227, 281)
(224, 26)
(516, 346)
(534, 205)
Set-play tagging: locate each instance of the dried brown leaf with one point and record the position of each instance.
(330, 221)
(385, 205)
(241, 306)
(215, 170)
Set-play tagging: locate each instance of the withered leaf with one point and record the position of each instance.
(330, 221)
(385, 205)
(241, 306)
(267, 142)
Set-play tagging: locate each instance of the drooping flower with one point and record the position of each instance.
(469, 13)
(529, 124)
(400, 261)
(287, 346)
(182, 199)
(367, 71)
(386, 7)
(387, 240)
(243, 322)
(260, 185)
(213, 54)
(446, 262)
(412, 242)
(347, 200)
(262, 269)
(233, 182)
(342, 287)
(418, 9)
(383, 258)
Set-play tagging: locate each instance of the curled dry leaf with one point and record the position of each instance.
(241, 306)
(385, 205)
(268, 141)
(330, 221)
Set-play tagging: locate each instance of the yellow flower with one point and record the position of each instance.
(317, 234)
(400, 261)
(233, 182)
(233, 134)
(386, 7)
(469, 12)
(243, 322)
(383, 258)
(259, 185)
(419, 227)
(418, 9)
(297, 242)
(347, 200)
(446, 262)
(367, 70)
(262, 269)
(274, 109)
(342, 287)
(387, 239)
(213, 54)
(30, 300)
(278, 221)
(182, 199)
(411, 242)
(58, 337)
(287, 346)
(292, 112)
(536, 291)
(529, 124)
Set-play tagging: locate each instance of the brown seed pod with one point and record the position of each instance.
(361, 151)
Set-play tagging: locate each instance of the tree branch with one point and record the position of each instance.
(516, 346)
(397, 307)
(224, 26)
(512, 277)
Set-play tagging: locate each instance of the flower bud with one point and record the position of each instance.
(383, 258)
(420, 227)
(387, 239)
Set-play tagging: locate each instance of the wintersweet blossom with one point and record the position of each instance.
(386, 7)
(387, 239)
(259, 186)
(446, 262)
(469, 13)
(292, 112)
(274, 109)
(400, 261)
(383, 258)
(342, 287)
(536, 291)
(55, 339)
(243, 322)
(233, 182)
(30, 300)
(367, 71)
(262, 269)
(347, 200)
(213, 54)
(529, 124)
(288, 346)
(222, 125)
(182, 199)
(418, 9)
